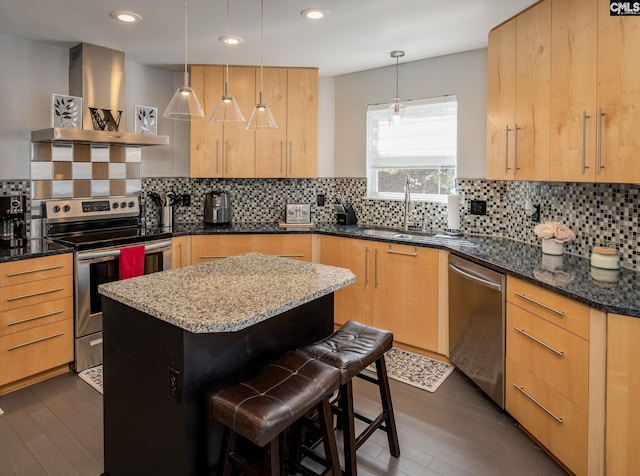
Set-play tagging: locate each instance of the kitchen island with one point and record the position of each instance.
(173, 338)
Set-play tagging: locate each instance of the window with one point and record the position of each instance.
(423, 146)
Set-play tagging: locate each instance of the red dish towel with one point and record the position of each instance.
(131, 262)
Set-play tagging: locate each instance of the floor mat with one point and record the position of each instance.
(93, 377)
(416, 370)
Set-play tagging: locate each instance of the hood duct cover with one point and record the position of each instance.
(97, 74)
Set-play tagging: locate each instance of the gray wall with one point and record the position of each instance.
(464, 74)
(30, 74)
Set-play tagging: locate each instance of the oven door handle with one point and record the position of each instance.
(92, 255)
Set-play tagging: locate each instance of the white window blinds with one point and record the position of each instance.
(426, 138)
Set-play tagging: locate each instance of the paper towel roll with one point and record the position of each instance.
(453, 212)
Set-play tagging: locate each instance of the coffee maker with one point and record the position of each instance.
(13, 219)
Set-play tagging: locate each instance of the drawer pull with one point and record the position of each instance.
(29, 271)
(538, 341)
(33, 318)
(14, 347)
(556, 418)
(39, 293)
(291, 256)
(392, 251)
(527, 298)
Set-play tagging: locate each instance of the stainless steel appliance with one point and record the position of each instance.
(217, 208)
(13, 214)
(98, 229)
(477, 325)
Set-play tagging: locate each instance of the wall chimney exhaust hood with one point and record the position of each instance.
(97, 75)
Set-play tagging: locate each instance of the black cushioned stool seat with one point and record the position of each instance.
(261, 408)
(351, 349)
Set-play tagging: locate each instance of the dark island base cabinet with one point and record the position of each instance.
(158, 379)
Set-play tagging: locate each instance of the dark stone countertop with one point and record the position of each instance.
(568, 275)
(35, 248)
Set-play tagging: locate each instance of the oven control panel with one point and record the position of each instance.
(88, 208)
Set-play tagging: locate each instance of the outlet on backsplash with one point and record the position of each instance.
(478, 207)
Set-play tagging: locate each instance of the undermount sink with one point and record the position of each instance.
(434, 238)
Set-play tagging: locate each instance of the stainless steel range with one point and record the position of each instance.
(97, 229)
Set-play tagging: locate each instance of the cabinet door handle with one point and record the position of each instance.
(366, 266)
(29, 271)
(33, 318)
(506, 148)
(584, 141)
(533, 301)
(35, 341)
(375, 269)
(180, 255)
(281, 157)
(538, 341)
(549, 412)
(226, 156)
(290, 156)
(599, 165)
(404, 253)
(515, 147)
(291, 256)
(39, 293)
(217, 157)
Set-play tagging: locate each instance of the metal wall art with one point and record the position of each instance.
(146, 120)
(66, 112)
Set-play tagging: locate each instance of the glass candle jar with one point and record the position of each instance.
(605, 258)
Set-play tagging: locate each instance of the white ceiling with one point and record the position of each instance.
(357, 35)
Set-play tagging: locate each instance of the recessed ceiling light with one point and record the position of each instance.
(231, 40)
(314, 13)
(126, 17)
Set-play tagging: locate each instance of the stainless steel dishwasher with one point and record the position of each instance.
(477, 325)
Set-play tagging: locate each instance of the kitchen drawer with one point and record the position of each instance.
(28, 317)
(21, 295)
(24, 271)
(29, 352)
(562, 311)
(566, 439)
(537, 344)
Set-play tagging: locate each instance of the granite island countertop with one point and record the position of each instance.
(229, 294)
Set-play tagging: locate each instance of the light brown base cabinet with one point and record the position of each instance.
(180, 252)
(396, 287)
(36, 319)
(623, 387)
(211, 247)
(555, 373)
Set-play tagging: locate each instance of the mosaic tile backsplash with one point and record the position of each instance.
(599, 214)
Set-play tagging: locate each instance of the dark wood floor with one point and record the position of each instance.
(55, 428)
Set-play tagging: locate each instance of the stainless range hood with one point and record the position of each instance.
(97, 75)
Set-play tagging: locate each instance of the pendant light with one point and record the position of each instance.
(396, 110)
(184, 105)
(261, 116)
(227, 109)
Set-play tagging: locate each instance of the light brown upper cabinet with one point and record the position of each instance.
(222, 150)
(291, 150)
(519, 67)
(618, 97)
(230, 150)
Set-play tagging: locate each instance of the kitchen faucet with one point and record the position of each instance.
(407, 205)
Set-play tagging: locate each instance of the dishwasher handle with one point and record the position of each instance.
(477, 279)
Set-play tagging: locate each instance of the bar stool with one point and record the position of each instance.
(351, 349)
(261, 408)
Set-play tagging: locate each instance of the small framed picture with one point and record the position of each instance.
(66, 112)
(146, 120)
